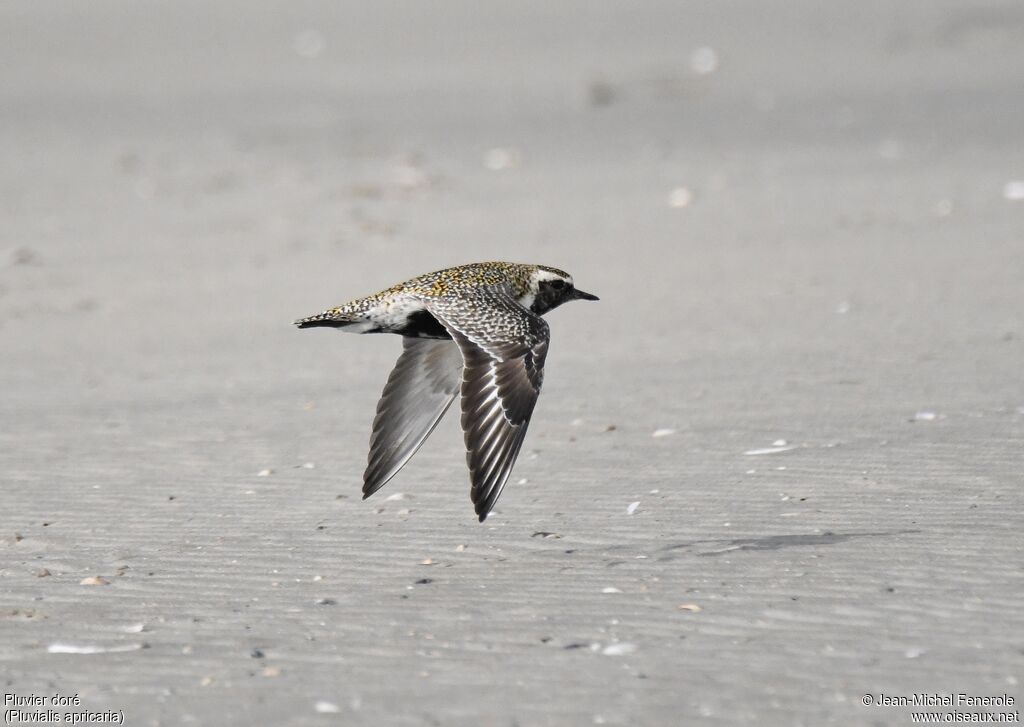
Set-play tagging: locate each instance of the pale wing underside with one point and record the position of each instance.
(504, 355)
(419, 391)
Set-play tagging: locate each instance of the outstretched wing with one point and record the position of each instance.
(419, 391)
(503, 348)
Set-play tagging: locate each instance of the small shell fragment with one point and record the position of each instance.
(619, 649)
(309, 43)
(1014, 190)
(769, 450)
(704, 60)
(680, 197)
(90, 648)
(500, 158)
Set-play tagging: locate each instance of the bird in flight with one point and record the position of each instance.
(476, 330)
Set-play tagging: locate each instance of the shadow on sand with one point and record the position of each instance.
(775, 542)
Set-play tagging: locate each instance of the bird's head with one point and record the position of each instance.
(549, 288)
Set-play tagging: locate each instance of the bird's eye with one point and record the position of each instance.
(557, 284)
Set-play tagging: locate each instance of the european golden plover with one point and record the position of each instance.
(477, 328)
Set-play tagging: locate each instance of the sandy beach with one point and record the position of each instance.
(775, 473)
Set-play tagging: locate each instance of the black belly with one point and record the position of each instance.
(422, 324)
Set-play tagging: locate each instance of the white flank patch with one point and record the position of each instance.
(393, 313)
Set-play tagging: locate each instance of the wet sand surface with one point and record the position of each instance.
(805, 226)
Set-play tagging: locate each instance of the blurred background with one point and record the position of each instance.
(804, 222)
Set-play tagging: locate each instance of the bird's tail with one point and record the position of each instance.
(327, 319)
